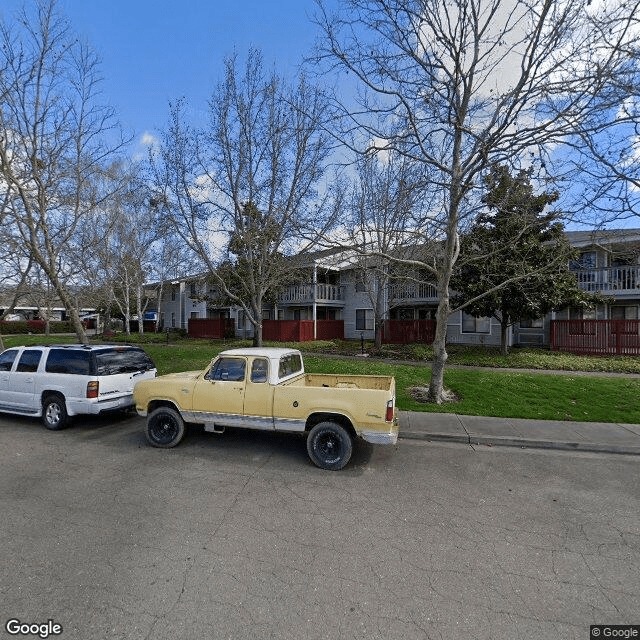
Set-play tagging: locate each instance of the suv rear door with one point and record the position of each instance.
(22, 381)
(119, 368)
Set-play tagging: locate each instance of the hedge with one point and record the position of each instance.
(8, 327)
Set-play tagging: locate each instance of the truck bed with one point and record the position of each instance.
(378, 383)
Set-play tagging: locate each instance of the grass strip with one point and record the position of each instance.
(482, 393)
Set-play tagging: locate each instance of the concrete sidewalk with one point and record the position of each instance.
(514, 432)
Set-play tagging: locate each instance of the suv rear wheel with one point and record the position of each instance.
(54, 412)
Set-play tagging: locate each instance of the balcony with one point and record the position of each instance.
(418, 292)
(618, 281)
(331, 294)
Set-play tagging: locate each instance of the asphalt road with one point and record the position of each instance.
(239, 536)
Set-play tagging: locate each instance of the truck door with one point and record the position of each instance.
(219, 395)
(258, 399)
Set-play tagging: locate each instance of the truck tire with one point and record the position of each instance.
(329, 446)
(164, 428)
(54, 412)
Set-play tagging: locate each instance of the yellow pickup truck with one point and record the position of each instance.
(268, 389)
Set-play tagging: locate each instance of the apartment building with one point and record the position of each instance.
(335, 287)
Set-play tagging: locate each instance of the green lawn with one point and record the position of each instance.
(484, 393)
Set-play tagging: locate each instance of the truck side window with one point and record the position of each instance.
(289, 365)
(228, 369)
(259, 370)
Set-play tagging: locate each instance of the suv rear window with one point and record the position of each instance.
(113, 361)
(68, 361)
(29, 361)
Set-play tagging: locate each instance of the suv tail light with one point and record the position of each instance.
(389, 416)
(92, 389)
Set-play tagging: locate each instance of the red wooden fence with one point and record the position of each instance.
(596, 337)
(211, 328)
(408, 331)
(301, 330)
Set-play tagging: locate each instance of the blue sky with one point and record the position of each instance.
(156, 51)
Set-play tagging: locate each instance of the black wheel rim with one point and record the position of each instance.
(163, 429)
(329, 447)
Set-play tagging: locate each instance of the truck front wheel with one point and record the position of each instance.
(165, 428)
(329, 446)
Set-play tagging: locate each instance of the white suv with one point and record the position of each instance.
(57, 381)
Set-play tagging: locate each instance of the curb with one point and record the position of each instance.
(522, 443)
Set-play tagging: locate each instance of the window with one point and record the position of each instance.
(173, 320)
(6, 359)
(587, 260)
(538, 323)
(290, 365)
(71, 362)
(29, 361)
(582, 314)
(228, 370)
(364, 319)
(471, 324)
(259, 370)
(173, 295)
(193, 290)
(194, 315)
(120, 360)
(361, 285)
(240, 319)
(620, 312)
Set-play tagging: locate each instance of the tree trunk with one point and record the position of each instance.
(436, 388)
(504, 327)
(257, 334)
(139, 311)
(378, 332)
(70, 306)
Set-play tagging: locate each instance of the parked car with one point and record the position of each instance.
(55, 382)
(269, 389)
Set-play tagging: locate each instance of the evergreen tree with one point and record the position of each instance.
(514, 262)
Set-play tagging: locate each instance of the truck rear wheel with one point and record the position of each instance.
(164, 428)
(329, 446)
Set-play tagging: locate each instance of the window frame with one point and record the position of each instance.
(468, 317)
(368, 319)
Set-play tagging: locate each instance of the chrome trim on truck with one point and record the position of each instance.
(380, 437)
(246, 422)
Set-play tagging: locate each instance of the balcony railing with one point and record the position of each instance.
(614, 280)
(304, 294)
(400, 292)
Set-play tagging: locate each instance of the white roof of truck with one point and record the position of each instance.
(266, 352)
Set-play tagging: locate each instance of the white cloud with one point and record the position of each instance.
(148, 139)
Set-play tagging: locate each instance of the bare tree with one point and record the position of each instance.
(122, 242)
(52, 142)
(240, 191)
(388, 186)
(458, 84)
